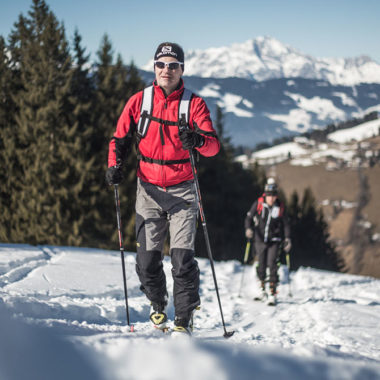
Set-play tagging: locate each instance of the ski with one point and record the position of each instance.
(164, 330)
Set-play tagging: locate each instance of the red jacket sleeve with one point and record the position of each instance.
(201, 122)
(126, 124)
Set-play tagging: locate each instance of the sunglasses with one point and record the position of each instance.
(170, 65)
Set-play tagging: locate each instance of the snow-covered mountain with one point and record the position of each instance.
(258, 112)
(266, 58)
(268, 90)
(62, 316)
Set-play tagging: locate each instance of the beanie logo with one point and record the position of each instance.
(166, 49)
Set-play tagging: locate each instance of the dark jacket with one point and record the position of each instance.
(269, 223)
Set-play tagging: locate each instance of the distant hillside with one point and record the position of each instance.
(344, 176)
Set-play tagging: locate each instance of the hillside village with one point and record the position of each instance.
(344, 176)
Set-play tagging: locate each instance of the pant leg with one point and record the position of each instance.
(261, 252)
(273, 251)
(185, 274)
(151, 231)
(182, 214)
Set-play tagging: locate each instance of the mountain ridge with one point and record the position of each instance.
(256, 112)
(266, 58)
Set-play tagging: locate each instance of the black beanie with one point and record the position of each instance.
(170, 49)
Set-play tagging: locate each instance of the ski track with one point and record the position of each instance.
(304, 323)
(16, 269)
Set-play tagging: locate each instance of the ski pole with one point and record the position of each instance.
(247, 248)
(288, 265)
(118, 216)
(204, 225)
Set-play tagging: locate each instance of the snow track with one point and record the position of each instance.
(329, 326)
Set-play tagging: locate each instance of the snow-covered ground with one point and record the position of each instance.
(62, 315)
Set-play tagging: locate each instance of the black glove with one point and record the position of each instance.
(191, 139)
(114, 175)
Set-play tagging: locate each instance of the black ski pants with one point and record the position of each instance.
(267, 254)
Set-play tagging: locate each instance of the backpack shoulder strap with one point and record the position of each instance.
(184, 106)
(260, 203)
(146, 110)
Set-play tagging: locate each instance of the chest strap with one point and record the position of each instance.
(162, 162)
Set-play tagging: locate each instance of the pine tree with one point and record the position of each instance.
(309, 231)
(228, 191)
(49, 147)
(83, 90)
(114, 83)
(8, 167)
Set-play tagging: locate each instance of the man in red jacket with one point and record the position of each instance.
(166, 197)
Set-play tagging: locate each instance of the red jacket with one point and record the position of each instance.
(162, 141)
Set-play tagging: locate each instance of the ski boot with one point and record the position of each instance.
(183, 326)
(158, 316)
(262, 296)
(272, 296)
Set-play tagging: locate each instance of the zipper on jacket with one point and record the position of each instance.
(266, 233)
(162, 135)
(163, 141)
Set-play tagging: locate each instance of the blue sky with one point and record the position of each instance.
(322, 28)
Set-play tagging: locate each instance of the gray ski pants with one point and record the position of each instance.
(160, 211)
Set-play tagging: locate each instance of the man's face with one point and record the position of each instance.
(166, 78)
(270, 199)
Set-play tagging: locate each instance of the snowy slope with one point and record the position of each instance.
(266, 58)
(70, 323)
(358, 133)
(341, 146)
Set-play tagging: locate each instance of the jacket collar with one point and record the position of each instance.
(159, 92)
